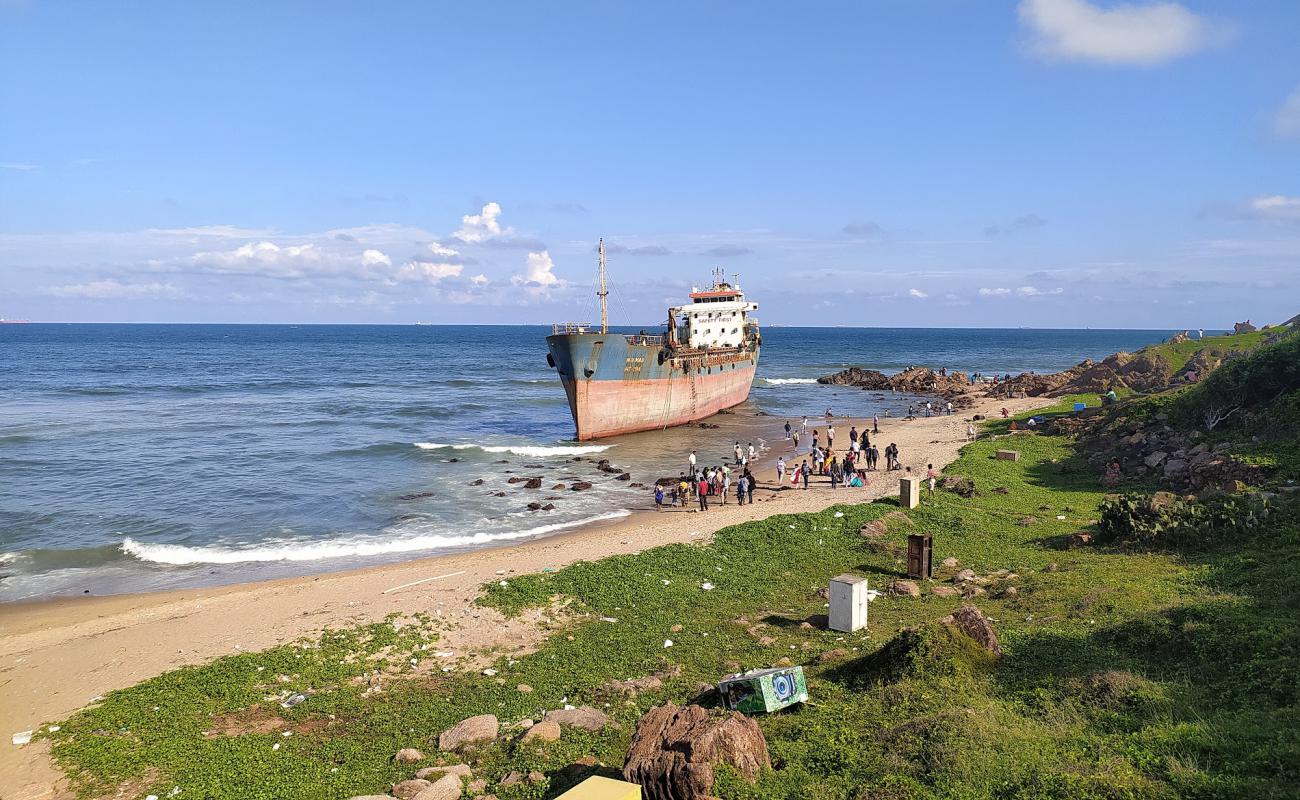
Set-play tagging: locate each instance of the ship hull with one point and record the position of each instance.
(616, 384)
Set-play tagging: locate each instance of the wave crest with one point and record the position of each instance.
(532, 451)
(784, 381)
(180, 555)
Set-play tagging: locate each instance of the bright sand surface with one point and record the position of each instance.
(58, 656)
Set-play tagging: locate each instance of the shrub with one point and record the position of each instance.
(1166, 520)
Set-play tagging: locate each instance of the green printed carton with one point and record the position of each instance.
(763, 690)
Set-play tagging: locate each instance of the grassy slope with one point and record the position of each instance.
(1204, 651)
(1178, 354)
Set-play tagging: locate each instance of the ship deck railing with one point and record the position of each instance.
(644, 339)
(562, 328)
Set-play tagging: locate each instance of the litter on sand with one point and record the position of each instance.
(22, 737)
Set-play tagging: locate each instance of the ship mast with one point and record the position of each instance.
(603, 293)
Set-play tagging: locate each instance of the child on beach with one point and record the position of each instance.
(659, 498)
(752, 453)
(929, 476)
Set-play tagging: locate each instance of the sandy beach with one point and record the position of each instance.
(59, 656)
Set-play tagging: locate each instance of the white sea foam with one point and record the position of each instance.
(784, 381)
(282, 550)
(5, 558)
(531, 451)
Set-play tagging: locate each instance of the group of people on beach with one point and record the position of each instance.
(705, 484)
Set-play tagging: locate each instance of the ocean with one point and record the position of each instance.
(143, 457)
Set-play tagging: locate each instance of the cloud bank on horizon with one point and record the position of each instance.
(1065, 163)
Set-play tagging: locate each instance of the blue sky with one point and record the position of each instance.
(1052, 163)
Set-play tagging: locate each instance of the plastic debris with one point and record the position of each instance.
(22, 737)
(706, 586)
(275, 746)
(293, 700)
(668, 642)
(839, 514)
(489, 672)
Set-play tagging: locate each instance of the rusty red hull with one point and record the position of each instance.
(616, 384)
(608, 408)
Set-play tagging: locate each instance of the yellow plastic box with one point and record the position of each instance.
(598, 788)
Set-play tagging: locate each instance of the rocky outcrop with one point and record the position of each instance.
(482, 728)
(1243, 327)
(584, 717)
(972, 622)
(856, 376)
(1144, 372)
(952, 386)
(675, 751)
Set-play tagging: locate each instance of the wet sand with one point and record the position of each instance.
(58, 656)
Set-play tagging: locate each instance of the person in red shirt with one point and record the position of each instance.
(703, 491)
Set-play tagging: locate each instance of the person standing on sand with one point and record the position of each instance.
(804, 472)
(780, 470)
(692, 460)
(752, 453)
(794, 437)
(726, 486)
(835, 474)
(853, 436)
(736, 450)
(830, 436)
(929, 476)
(875, 423)
(683, 490)
(740, 489)
(703, 491)
(803, 427)
(816, 434)
(787, 429)
(659, 497)
(950, 408)
(749, 487)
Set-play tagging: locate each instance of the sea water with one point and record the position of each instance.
(137, 457)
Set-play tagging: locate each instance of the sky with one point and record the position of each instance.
(928, 163)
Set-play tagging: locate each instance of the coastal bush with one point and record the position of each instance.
(1166, 520)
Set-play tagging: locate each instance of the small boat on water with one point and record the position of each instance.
(703, 362)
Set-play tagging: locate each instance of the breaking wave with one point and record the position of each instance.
(532, 451)
(180, 555)
(784, 381)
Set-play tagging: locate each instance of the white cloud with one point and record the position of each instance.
(1276, 207)
(1286, 122)
(1145, 33)
(18, 167)
(375, 258)
(439, 249)
(265, 258)
(539, 270)
(430, 271)
(111, 290)
(479, 279)
(1030, 291)
(995, 292)
(480, 227)
(916, 293)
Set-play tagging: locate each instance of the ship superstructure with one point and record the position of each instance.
(702, 362)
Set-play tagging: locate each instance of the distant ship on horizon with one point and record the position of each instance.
(4, 321)
(702, 363)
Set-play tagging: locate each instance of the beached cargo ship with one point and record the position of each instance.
(702, 363)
